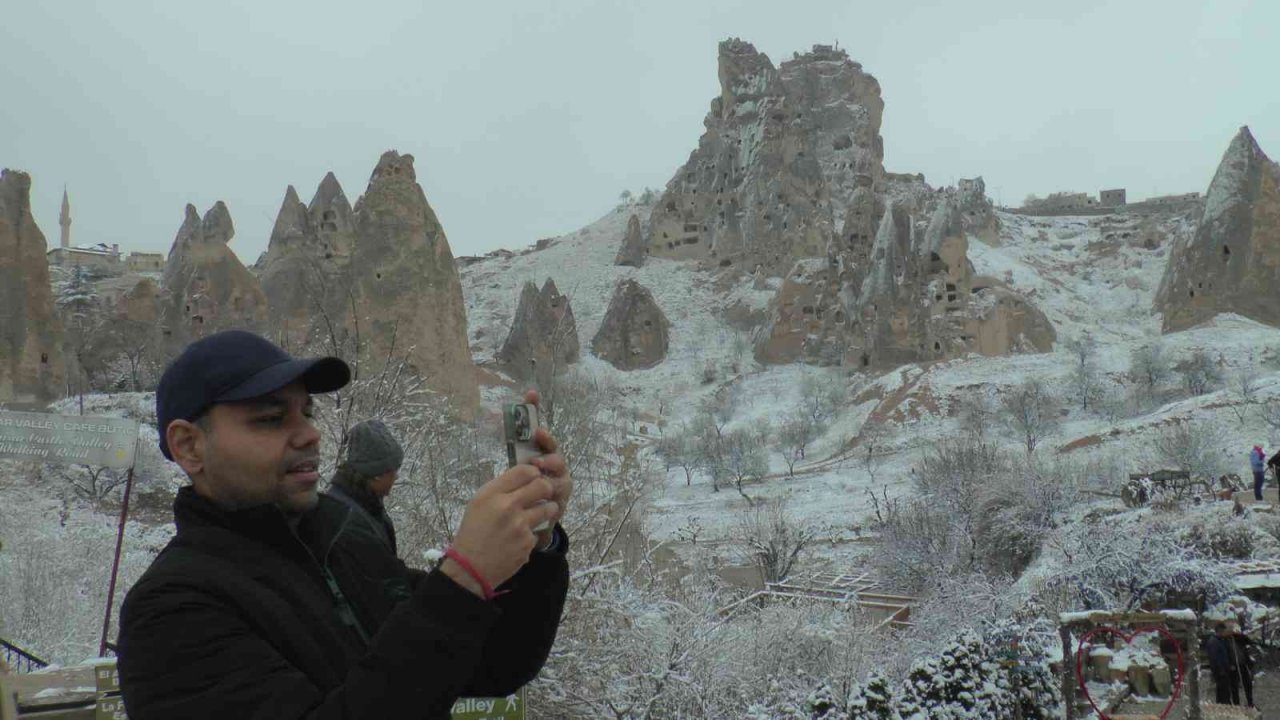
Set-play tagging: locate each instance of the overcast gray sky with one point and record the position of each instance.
(528, 118)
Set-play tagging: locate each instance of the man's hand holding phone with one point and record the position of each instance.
(511, 515)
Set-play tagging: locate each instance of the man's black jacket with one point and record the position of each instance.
(243, 617)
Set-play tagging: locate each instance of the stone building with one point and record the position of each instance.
(145, 262)
(102, 256)
(1111, 198)
(1062, 201)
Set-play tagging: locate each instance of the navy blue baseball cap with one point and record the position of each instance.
(236, 365)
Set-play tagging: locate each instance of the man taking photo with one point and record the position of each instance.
(266, 605)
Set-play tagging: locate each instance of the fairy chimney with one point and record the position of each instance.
(32, 366)
(407, 292)
(633, 334)
(206, 289)
(633, 250)
(1232, 263)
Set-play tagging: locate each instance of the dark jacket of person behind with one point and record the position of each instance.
(366, 476)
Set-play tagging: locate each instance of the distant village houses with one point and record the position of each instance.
(1063, 203)
(101, 256)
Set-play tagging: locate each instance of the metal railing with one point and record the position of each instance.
(18, 659)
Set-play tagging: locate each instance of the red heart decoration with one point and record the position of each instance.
(1128, 638)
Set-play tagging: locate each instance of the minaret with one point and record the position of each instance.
(65, 220)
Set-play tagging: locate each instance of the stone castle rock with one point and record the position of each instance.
(543, 336)
(633, 250)
(788, 181)
(383, 267)
(1232, 263)
(634, 332)
(206, 289)
(32, 366)
(775, 173)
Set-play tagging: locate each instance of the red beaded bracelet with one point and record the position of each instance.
(486, 590)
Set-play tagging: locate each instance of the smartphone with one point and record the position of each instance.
(520, 421)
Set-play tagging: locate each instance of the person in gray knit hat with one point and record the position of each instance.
(365, 477)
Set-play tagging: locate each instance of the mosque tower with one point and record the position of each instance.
(65, 220)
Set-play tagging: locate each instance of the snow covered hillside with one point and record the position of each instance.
(1093, 276)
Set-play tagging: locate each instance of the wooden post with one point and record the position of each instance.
(1068, 674)
(115, 563)
(1192, 669)
(8, 700)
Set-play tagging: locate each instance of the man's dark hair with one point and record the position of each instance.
(1220, 627)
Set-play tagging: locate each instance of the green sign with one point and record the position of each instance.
(68, 439)
(510, 707)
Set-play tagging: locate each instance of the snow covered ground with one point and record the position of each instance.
(1087, 274)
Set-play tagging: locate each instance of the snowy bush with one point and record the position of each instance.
(1221, 536)
(1123, 560)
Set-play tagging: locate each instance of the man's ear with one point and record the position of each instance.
(186, 442)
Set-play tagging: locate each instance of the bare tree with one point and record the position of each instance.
(1243, 385)
(976, 413)
(1270, 410)
(773, 539)
(718, 408)
(1200, 373)
(1149, 367)
(819, 399)
(678, 447)
(1194, 446)
(1084, 374)
(794, 434)
(1030, 411)
(872, 447)
(742, 458)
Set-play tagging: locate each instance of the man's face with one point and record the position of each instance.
(263, 450)
(381, 485)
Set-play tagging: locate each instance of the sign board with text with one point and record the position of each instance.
(110, 708)
(107, 680)
(68, 439)
(510, 707)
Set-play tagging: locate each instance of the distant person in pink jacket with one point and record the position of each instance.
(1258, 463)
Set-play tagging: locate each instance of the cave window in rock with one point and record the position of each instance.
(197, 319)
(725, 263)
(1193, 293)
(44, 358)
(937, 346)
(378, 275)
(866, 360)
(1226, 252)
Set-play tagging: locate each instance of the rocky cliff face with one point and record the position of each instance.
(1232, 264)
(32, 367)
(206, 288)
(633, 334)
(775, 172)
(788, 181)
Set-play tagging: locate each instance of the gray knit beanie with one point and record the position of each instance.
(372, 450)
